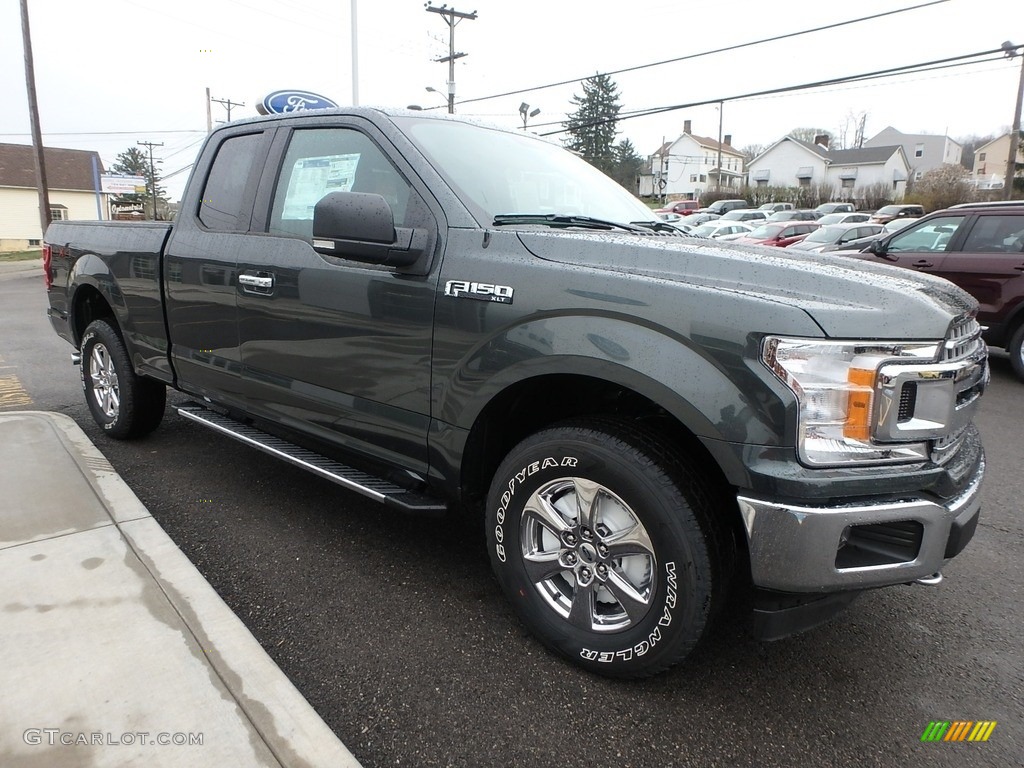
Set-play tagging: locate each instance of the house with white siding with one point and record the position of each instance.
(72, 176)
(790, 162)
(683, 169)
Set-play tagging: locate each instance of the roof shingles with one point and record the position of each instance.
(69, 169)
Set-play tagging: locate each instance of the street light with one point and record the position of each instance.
(450, 98)
(525, 113)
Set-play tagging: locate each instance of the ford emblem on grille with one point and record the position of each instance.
(282, 102)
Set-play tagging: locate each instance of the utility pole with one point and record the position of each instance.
(355, 56)
(228, 104)
(451, 17)
(209, 117)
(721, 109)
(37, 133)
(152, 170)
(1011, 162)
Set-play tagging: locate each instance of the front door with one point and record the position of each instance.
(331, 346)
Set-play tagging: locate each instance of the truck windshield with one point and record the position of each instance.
(499, 173)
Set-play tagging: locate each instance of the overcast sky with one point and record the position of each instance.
(110, 73)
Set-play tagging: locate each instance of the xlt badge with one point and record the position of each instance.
(479, 291)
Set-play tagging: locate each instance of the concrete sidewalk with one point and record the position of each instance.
(114, 650)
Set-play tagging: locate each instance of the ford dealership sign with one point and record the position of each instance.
(282, 102)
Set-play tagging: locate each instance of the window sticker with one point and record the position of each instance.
(314, 177)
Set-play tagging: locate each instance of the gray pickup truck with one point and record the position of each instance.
(446, 316)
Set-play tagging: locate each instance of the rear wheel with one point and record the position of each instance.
(123, 403)
(605, 544)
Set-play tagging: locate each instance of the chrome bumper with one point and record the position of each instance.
(794, 548)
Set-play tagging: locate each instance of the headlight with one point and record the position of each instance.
(835, 384)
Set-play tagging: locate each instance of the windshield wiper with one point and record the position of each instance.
(558, 220)
(658, 226)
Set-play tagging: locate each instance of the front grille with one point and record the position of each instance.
(963, 338)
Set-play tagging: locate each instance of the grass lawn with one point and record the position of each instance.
(21, 255)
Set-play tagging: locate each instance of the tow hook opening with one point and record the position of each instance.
(929, 581)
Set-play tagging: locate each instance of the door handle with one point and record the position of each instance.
(923, 263)
(254, 281)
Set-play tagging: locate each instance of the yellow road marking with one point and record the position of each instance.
(12, 394)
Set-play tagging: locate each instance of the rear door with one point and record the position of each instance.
(334, 347)
(989, 264)
(200, 263)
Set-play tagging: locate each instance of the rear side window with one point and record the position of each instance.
(996, 234)
(221, 206)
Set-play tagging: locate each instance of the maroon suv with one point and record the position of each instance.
(981, 249)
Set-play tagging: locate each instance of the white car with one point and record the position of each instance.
(843, 218)
(722, 230)
(751, 215)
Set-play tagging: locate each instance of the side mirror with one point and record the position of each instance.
(360, 226)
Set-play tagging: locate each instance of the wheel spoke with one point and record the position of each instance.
(581, 614)
(586, 500)
(541, 566)
(632, 602)
(543, 511)
(633, 541)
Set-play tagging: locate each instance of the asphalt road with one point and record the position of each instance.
(394, 630)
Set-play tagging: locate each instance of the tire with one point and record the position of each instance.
(630, 593)
(1015, 349)
(124, 404)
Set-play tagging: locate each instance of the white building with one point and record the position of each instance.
(687, 167)
(790, 162)
(72, 176)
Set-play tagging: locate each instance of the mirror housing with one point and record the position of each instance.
(360, 226)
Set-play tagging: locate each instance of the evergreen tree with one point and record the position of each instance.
(134, 162)
(591, 127)
(628, 165)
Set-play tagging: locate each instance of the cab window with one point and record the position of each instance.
(324, 160)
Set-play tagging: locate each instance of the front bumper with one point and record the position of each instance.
(795, 548)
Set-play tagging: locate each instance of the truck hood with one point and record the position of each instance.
(847, 298)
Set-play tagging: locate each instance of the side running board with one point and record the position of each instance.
(347, 477)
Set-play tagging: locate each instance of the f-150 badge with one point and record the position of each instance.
(463, 289)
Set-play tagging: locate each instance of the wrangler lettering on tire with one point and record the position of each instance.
(605, 544)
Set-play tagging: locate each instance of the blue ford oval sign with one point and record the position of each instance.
(282, 102)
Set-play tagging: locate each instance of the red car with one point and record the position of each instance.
(682, 207)
(780, 233)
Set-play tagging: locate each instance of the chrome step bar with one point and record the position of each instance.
(372, 487)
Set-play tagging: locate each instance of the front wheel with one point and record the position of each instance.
(123, 403)
(605, 543)
(1015, 349)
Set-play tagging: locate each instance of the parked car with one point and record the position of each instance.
(862, 243)
(801, 215)
(826, 208)
(981, 249)
(749, 215)
(832, 237)
(843, 218)
(724, 206)
(773, 207)
(682, 207)
(897, 224)
(780, 234)
(696, 219)
(668, 217)
(719, 229)
(889, 212)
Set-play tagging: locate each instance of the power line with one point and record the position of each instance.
(905, 69)
(736, 47)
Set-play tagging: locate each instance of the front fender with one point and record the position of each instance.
(711, 383)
